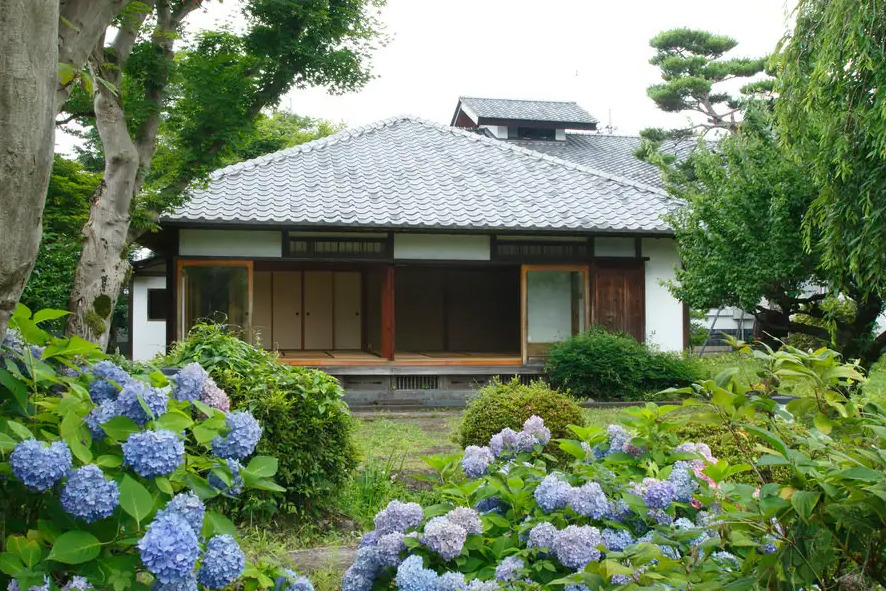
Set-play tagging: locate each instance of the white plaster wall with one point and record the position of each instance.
(664, 314)
(230, 243)
(605, 246)
(550, 306)
(456, 247)
(148, 336)
(560, 135)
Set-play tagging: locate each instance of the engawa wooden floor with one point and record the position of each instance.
(403, 358)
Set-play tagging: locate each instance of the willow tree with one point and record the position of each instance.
(208, 94)
(832, 83)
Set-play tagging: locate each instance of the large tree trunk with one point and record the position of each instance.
(28, 80)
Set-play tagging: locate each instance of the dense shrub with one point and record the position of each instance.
(507, 405)
(111, 479)
(612, 366)
(307, 424)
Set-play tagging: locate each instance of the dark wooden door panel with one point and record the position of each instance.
(619, 298)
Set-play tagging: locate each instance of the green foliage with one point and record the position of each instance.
(611, 366)
(306, 423)
(508, 404)
(828, 448)
(44, 395)
(831, 82)
(830, 313)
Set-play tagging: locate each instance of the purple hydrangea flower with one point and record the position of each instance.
(542, 535)
(684, 483)
(451, 581)
(153, 453)
(618, 510)
(388, 549)
(588, 500)
(616, 540)
(243, 435)
(551, 493)
(13, 341)
(89, 494)
(189, 583)
(476, 461)
(133, 394)
(369, 539)
(660, 516)
(618, 438)
(444, 537)
(467, 518)
(657, 494)
(223, 562)
(535, 426)
(398, 516)
(189, 507)
(77, 584)
(100, 415)
(292, 581)
(39, 466)
(503, 441)
(478, 585)
(576, 546)
(353, 580)
(213, 396)
(525, 442)
(413, 576)
(508, 569)
(169, 548)
(236, 479)
(188, 383)
(13, 585)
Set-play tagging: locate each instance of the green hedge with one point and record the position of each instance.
(307, 425)
(509, 404)
(612, 366)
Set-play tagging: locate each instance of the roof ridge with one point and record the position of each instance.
(323, 142)
(539, 155)
(513, 100)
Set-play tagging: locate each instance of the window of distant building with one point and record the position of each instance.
(533, 133)
(156, 304)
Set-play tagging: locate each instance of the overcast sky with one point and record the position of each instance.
(594, 52)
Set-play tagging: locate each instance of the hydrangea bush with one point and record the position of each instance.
(107, 478)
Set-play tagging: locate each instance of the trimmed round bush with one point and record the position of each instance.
(502, 405)
(605, 365)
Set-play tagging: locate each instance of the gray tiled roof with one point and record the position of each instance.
(613, 154)
(554, 111)
(410, 173)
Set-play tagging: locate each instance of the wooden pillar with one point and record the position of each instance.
(388, 346)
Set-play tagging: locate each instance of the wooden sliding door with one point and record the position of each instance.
(555, 306)
(219, 291)
(619, 297)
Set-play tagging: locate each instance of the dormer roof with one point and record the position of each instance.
(475, 111)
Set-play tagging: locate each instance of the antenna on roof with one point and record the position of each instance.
(609, 128)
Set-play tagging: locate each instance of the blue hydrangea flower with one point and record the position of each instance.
(467, 518)
(153, 453)
(619, 510)
(503, 441)
(660, 516)
(369, 539)
(476, 461)
(413, 576)
(525, 442)
(618, 438)
(588, 500)
(13, 585)
(223, 562)
(189, 507)
(542, 535)
(107, 370)
(576, 546)
(551, 493)
(478, 585)
(108, 379)
(292, 581)
(535, 426)
(169, 548)
(353, 580)
(768, 546)
(89, 494)
(451, 581)
(388, 549)
(187, 384)
(658, 493)
(236, 479)
(398, 516)
(101, 414)
(128, 403)
(508, 569)
(13, 341)
(684, 483)
(576, 587)
(102, 390)
(490, 505)
(243, 435)
(40, 466)
(189, 583)
(77, 584)
(616, 540)
(444, 537)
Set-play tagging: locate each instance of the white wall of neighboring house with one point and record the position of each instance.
(664, 313)
(148, 336)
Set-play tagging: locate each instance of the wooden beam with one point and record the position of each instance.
(388, 346)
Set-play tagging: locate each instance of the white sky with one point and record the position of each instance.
(594, 52)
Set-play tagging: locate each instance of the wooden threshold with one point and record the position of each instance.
(332, 358)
